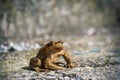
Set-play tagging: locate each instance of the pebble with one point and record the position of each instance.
(46, 37)
(11, 49)
(51, 73)
(23, 75)
(60, 78)
(90, 44)
(66, 44)
(17, 47)
(117, 50)
(66, 78)
(50, 77)
(96, 50)
(75, 76)
(76, 53)
(3, 48)
(36, 46)
(91, 31)
(88, 69)
(32, 79)
(78, 77)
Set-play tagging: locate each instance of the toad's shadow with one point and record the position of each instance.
(26, 68)
(57, 63)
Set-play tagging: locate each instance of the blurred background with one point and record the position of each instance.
(28, 19)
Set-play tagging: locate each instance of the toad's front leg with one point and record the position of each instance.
(68, 60)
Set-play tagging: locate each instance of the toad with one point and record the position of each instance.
(48, 56)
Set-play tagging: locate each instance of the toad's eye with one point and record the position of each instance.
(51, 43)
(60, 41)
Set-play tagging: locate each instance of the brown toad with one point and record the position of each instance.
(49, 55)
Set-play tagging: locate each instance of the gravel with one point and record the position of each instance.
(96, 56)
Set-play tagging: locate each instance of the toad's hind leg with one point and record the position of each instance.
(37, 69)
(35, 64)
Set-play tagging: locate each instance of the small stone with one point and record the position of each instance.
(52, 73)
(37, 46)
(75, 76)
(96, 50)
(78, 77)
(3, 48)
(71, 75)
(66, 44)
(90, 43)
(60, 78)
(77, 69)
(66, 78)
(88, 69)
(50, 77)
(46, 37)
(72, 79)
(24, 75)
(91, 31)
(76, 53)
(64, 74)
(117, 50)
(97, 73)
(17, 47)
(11, 43)
(32, 79)
(11, 49)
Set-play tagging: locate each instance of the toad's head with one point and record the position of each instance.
(55, 46)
